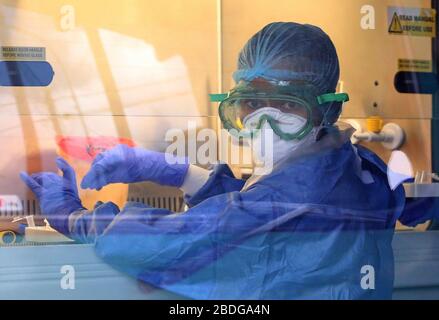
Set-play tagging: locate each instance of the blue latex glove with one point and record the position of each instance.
(124, 164)
(58, 196)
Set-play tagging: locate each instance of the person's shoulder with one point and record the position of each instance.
(371, 157)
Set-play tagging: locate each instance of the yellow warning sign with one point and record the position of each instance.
(23, 53)
(415, 65)
(395, 25)
(412, 21)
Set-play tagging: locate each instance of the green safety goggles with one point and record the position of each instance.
(298, 99)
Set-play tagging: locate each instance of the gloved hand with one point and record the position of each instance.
(58, 196)
(124, 164)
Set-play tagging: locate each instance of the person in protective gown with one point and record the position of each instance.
(319, 225)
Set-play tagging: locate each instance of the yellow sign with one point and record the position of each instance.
(413, 65)
(395, 25)
(22, 53)
(412, 21)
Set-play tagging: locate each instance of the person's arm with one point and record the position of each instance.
(419, 210)
(416, 210)
(85, 225)
(200, 184)
(124, 164)
(206, 184)
(162, 247)
(60, 204)
(196, 177)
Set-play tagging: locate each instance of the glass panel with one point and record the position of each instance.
(129, 73)
(120, 179)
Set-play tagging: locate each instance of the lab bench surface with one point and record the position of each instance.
(39, 272)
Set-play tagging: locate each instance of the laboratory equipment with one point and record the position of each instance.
(7, 237)
(391, 135)
(43, 234)
(10, 204)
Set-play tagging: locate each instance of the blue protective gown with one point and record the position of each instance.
(306, 231)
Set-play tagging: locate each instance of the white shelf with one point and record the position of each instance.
(418, 190)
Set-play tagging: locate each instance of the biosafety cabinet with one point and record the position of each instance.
(79, 77)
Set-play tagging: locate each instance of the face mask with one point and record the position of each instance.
(268, 147)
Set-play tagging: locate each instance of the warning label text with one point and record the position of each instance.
(412, 21)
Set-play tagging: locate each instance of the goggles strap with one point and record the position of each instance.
(218, 97)
(333, 97)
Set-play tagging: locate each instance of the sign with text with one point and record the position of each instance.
(22, 53)
(412, 21)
